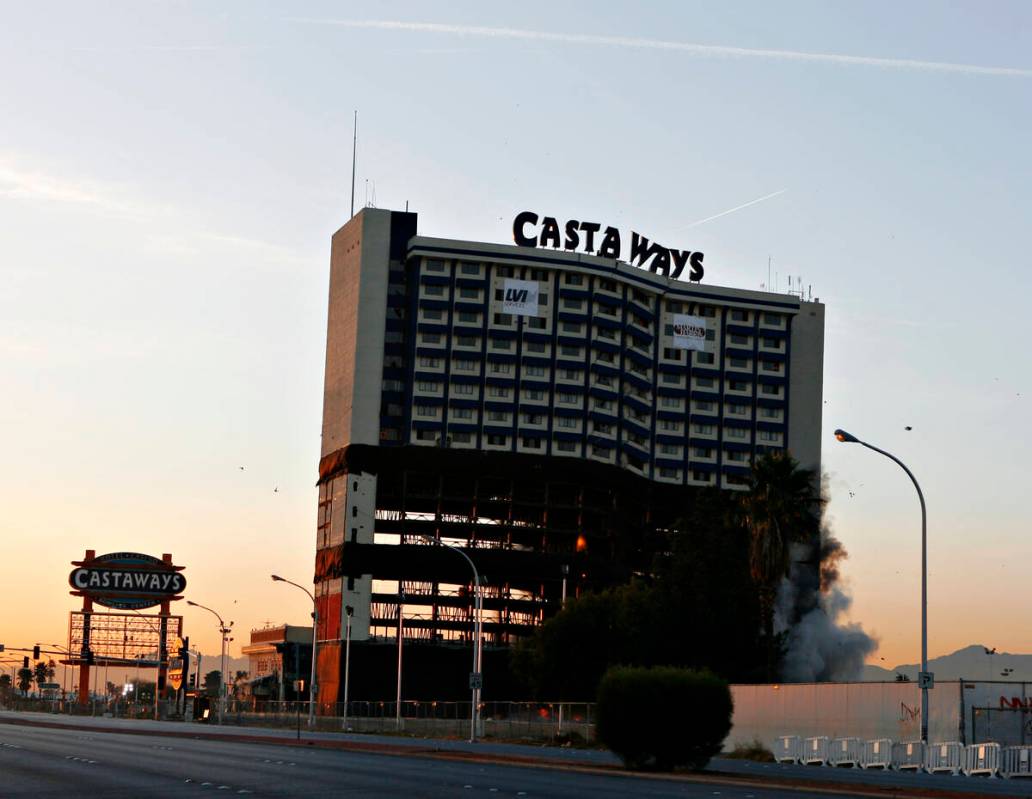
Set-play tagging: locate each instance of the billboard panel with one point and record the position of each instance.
(520, 297)
(689, 332)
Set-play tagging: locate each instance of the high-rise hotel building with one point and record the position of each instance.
(553, 437)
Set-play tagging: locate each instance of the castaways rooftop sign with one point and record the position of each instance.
(530, 230)
(127, 580)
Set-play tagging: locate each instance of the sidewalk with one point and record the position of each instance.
(720, 770)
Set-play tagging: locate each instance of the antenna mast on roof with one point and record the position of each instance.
(354, 150)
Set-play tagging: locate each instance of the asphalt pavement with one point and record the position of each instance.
(118, 758)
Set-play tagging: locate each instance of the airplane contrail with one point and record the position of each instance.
(738, 207)
(706, 50)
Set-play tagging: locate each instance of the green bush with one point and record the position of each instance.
(663, 717)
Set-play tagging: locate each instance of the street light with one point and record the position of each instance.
(64, 667)
(476, 678)
(225, 632)
(924, 677)
(349, 610)
(312, 687)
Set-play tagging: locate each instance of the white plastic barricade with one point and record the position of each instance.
(947, 756)
(846, 752)
(982, 759)
(788, 748)
(908, 755)
(877, 754)
(815, 751)
(1016, 761)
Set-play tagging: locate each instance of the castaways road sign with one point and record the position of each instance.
(127, 580)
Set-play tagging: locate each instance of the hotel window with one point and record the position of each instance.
(428, 385)
(670, 402)
(432, 313)
(772, 319)
(701, 477)
(533, 394)
(568, 421)
(470, 269)
(503, 319)
(673, 306)
(671, 354)
(603, 380)
(737, 385)
(533, 418)
(704, 382)
(703, 429)
(572, 374)
(464, 389)
(606, 310)
(426, 410)
(503, 271)
(736, 457)
(670, 473)
(469, 317)
(465, 366)
(535, 346)
(425, 435)
(429, 363)
(497, 416)
(571, 352)
(634, 438)
(497, 441)
(537, 323)
(606, 333)
(772, 343)
(566, 446)
(771, 436)
(707, 311)
(736, 432)
(430, 338)
(711, 334)
(737, 409)
(738, 315)
(702, 405)
(501, 344)
(738, 363)
(703, 357)
(770, 413)
(534, 371)
(467, 341)
(670, 377)
(500, 368)
(739, 339)
(736, 480)
(499, 391)
(605, 357)
(538, 274)
(568, 399)
(531, 443)
(770, 366)
(461, 438)
(603, 405)
(766, 388)
(606, 285)
(601, 452)
(573, 304)
(433, 291)
(603, 428)
(574, 280)
(669, 449)
(571, 327)
(462, 413)
(669, 424)
(702, 452)
(434, 265)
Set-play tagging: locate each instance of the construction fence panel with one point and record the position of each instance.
(944, 757)
(877, 754)
(788, 749)
(981, 759)
(846, 752)
(908, 756)
(1016, 761)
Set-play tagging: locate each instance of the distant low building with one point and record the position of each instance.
(276, 657)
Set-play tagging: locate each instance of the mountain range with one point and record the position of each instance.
(969, 663)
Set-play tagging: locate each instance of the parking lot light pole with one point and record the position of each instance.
(476, 679)
(313, 688)
(849, 438)
(225, 633)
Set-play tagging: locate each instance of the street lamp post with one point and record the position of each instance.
(349, 611)
(224, 630)
(313, 689)
(476, 678)
(64, 667)
(924, 677)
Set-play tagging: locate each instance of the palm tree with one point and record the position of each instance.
(782, 507)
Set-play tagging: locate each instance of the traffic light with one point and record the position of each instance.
(35, 652)
(25, 662)
(89, 657)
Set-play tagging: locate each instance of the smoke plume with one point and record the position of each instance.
(820, 645)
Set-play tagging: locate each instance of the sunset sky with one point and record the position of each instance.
(171, 173)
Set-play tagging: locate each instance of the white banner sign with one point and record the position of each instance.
(689, 332)
(520, 297)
